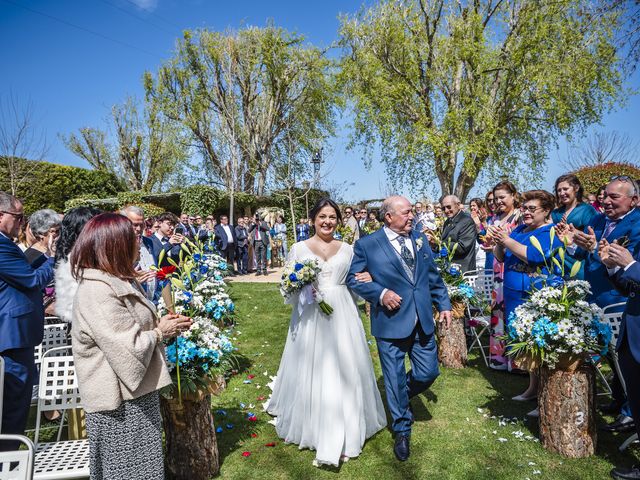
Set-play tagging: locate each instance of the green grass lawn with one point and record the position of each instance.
(457, 434)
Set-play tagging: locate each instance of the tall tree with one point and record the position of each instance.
(148, 146)
(470, 87)
(241, 92)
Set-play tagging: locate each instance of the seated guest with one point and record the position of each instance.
(571, 210)
(118, 352)
(66, 286)
(225, 240)
(624, 270)
(522, 260)
(459, 229)
(21, 318)
(166, 240)
(146, 264)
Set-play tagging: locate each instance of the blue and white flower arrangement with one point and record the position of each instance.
(299, 282)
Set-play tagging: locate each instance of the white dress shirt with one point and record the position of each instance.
(227, 230)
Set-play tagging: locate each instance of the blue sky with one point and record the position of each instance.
(72, 76)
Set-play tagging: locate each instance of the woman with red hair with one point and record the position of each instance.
(118, 352)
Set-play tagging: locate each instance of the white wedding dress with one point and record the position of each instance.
(325, 396)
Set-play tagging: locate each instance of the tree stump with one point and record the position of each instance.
(567, 411)
(452, 343)
(192, 447)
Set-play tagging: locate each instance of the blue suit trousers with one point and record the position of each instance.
(401, 385)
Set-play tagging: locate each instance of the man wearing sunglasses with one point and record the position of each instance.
(21, 317)
(459, 229)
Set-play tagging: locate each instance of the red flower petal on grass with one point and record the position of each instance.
(246, 454)
(254, 435)
(272, 444)
(253, 419)
(260, 398)
(250, 376)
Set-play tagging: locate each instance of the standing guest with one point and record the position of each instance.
(351, 222)
(118, 352)
(624, 270)
(251, 262)
(45, 227)
(571, 210)
(259, 238)
(478, 213)
(423, 219)
(150, 226)
(507, 216)
(165, 239)
(522, 260)
(599, 203)
(183, 227)
(225, 240)
(66, 286)
(25, 237)
(372, 225)
(302, 230)
(459, 229)
(242, 246)
(437, 210)
(591, 198)
(485, 243)
(362, 220)
(21, 318)
(280, 229)
(145, 265)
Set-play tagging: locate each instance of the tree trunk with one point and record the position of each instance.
(452, 343)
(192, 447)
(567, 411)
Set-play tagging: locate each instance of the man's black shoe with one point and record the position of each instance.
(632, 473)
(401, 447)
(611, 408)
(621, 424)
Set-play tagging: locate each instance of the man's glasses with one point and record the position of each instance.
(18, 216)
(447, 207)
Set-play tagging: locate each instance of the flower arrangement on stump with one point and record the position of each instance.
(198, 359)
(557, 332)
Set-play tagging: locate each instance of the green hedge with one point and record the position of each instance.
(48, 185)
(592, 178)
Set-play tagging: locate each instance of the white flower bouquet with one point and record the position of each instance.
(302, 278)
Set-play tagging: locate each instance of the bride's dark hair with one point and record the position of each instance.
(325, 202)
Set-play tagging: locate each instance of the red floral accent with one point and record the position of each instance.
(165, 272)
(253, 418)
(250, 376)
(261, 398)
(272, 444)
(254, 435)
(246, 454)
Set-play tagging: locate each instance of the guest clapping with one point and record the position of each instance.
(118, 353)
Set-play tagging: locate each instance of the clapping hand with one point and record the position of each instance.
(586, 241)
(614, 255)
(172, 324)
(565, 232)
(498, 234)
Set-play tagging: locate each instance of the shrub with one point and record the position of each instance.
(592, 178)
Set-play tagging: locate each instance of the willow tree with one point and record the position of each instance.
(240, 93)
(461, 88)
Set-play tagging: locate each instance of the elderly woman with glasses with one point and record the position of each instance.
(45, 228)
(521, 259)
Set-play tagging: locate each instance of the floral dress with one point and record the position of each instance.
(497, 359)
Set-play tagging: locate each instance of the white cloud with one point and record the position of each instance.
(148, 5)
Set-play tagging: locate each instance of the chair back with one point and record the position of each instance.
(1, 387)
(17, 464)
(482, 282)
(55, 335)
(613, 316)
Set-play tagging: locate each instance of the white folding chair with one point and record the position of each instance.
(17, 464)
(55, 335)
(614, 318)
(482, 282)
(58, 390)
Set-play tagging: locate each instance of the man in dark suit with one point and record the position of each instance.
(184, 225)
(225, 240)
(624, 271)
(146, 263)
(21, 317)
(259, 238)
(242, 247)
(166, 240)
(460, 229)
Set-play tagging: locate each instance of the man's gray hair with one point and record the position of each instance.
(388, 206)
(452, 197)
(42, 220)
(632, 185)
(132, 209)
(7, 202)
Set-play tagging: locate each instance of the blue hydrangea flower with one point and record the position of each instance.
(293, 277)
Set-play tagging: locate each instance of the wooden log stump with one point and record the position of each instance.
(567, 411)
(191, 443)
(452, 342)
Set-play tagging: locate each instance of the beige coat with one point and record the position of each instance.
(116, 352)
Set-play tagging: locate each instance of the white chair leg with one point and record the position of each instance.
(633, 438)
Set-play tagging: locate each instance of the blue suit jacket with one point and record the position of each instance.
(375, 254)
(628, 282)
(602, 291)
(157, 247)
(221, 240)
(21, 309)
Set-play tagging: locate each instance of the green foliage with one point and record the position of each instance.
(476, 87)
(594, 177)
(49, 185)
(200, 199)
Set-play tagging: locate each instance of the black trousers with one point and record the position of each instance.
(631, 373)
(230, 254)
(242, 258)
(261, 257)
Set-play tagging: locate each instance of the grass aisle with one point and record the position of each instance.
(467, 427)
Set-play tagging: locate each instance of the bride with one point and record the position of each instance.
(325, 396)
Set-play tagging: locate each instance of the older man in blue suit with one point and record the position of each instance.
(405, 284)
(624, 270)
(21, 317)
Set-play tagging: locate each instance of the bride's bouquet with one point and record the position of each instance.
(302, 278)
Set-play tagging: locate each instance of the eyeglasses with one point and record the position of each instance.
(447, 207)
(530, 208)
(363, 211)
(348, 212)
(18, 216)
